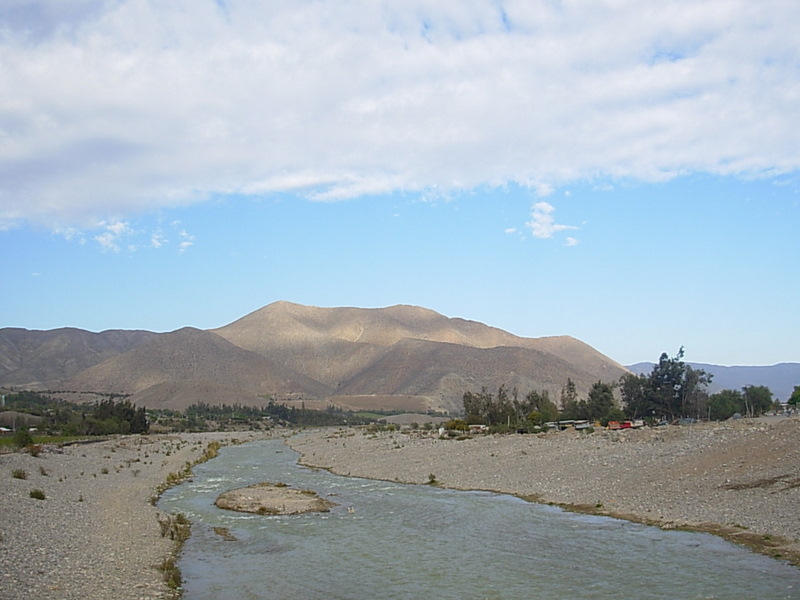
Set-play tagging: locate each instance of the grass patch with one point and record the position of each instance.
(171, 573)
(19, 474)
(38, 494)
(48, 439)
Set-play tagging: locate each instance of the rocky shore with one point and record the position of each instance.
(740, 480)
(96, 532)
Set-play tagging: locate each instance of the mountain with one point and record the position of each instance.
(394, 357)
(193, 356)
(414, 352)
(416, 367)
(780, 378)
(42, 359)
(332, 344)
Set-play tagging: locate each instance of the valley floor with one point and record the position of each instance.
(740, 480)
(96, 533)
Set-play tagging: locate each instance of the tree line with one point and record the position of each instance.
(202, 416)
(672, 390)
(675, 390)
(115, 414)
(109, 416)
(507, 409)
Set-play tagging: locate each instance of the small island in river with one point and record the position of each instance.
(273, 499)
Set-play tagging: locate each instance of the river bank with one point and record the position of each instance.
(96, 533)
(740, 480)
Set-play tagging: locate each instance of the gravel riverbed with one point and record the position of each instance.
(96, 533)
(740, 480)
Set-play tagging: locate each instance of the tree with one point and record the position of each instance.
(507, 409)
(757, 398)
(569, 398)
(695, 397)
(666, 380)
(600, 402)
(672, 389)
(724, 404)
(794, 399)
(110, 417)
(636, 396)
(502, 409)
(477, 406)
(539, 408)
(575, 410)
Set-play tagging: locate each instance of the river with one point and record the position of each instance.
(396, 541)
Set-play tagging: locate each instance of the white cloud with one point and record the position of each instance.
(187, 240)
(116, 235)
(571, 241)
(112, 234)
(125, 106)
(543, 224)
(157, 239)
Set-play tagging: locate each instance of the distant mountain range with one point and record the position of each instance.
(400, 357)
(780, 378)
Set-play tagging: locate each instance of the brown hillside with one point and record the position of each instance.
(577, 352)
(288, 323)
(441, 373)
(192, 355)
(336, 345)
(401, 356)
(179, 395)
(42, 359)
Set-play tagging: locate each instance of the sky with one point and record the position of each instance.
(623, 172)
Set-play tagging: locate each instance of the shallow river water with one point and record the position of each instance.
(387, 540)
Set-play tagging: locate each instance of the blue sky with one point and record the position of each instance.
(626, 176)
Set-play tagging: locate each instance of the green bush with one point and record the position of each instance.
(19, 474)
(501, 428)
(22, 438)
(457, 425)
(38, 494)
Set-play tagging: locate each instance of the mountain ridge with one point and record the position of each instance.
(400, 355)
